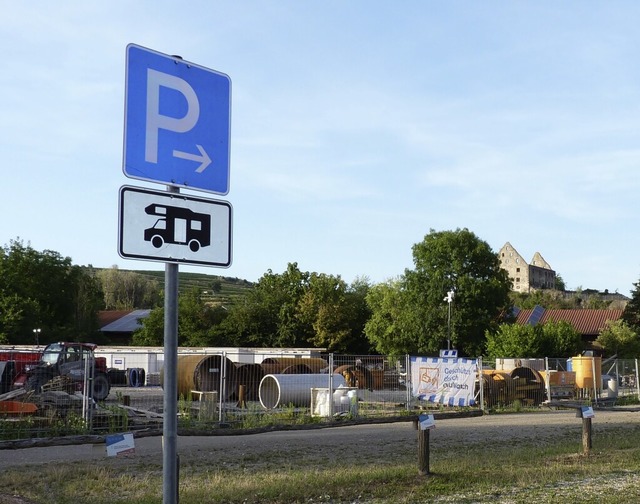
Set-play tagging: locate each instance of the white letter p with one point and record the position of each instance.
(156, 121)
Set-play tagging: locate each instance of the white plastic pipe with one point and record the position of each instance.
(283, 389)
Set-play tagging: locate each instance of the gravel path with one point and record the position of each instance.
(374, 441)
(360, 443)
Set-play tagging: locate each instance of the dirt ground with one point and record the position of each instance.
(392, 441)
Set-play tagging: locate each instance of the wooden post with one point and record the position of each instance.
(423, 451)
(241, 400)
(581, 411)
(586, 435)
(208, 404)
(126, 400)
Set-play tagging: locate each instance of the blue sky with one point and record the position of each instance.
(357, 127)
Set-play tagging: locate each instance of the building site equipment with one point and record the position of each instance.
(521, 383)
(293, 389)
(75, 361)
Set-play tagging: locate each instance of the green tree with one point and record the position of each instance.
(560, 285)
(560, 339)
(552, 339)
(44, 290)
(197, 323)
(390, 327)
(268, 315)
(515, 341)
(196, 320)
(631, 314)
(558, 300)
(128, 290)
(334, 311)
(619, 338)
(12, 311)
(358, 310)
(216, 286)
(549, 299)
(151, 331)
(446, 261)
(595, 301)
(298, 308)
(88, 301)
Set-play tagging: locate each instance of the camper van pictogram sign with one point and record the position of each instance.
(173, 227)
(179, 226)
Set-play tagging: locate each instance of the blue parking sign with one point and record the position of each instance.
(177, 122)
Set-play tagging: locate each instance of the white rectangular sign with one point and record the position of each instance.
(587, 412)
(427, 422)
(173, 227)
(120, 444)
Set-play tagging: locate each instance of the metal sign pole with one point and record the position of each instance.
(161, 158)
(408, 384)
(170, 423)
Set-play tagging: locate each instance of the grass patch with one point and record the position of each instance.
(533, 472)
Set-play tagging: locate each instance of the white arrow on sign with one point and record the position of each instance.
(203, 158)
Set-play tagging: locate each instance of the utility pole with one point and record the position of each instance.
(449, 299)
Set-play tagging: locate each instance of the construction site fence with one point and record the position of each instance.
(249, 391)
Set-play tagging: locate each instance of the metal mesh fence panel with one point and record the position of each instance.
(42, 398)
(254, 389)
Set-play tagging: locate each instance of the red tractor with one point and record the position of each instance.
(75, 360)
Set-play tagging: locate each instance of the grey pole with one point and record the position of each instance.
(170, 423)
(449, 299)
(448, 329)
(408, 383)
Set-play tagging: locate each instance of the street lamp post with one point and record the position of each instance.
(36, 333)
(449, 299)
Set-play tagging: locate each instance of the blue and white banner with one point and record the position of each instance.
(444, 381)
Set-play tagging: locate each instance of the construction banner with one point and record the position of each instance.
(444, 381)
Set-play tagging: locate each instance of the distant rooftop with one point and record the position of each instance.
(586, 322)
(123, 321)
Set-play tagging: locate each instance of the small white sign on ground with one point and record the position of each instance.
(587, 412)
(427, 422)
(120, 444)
